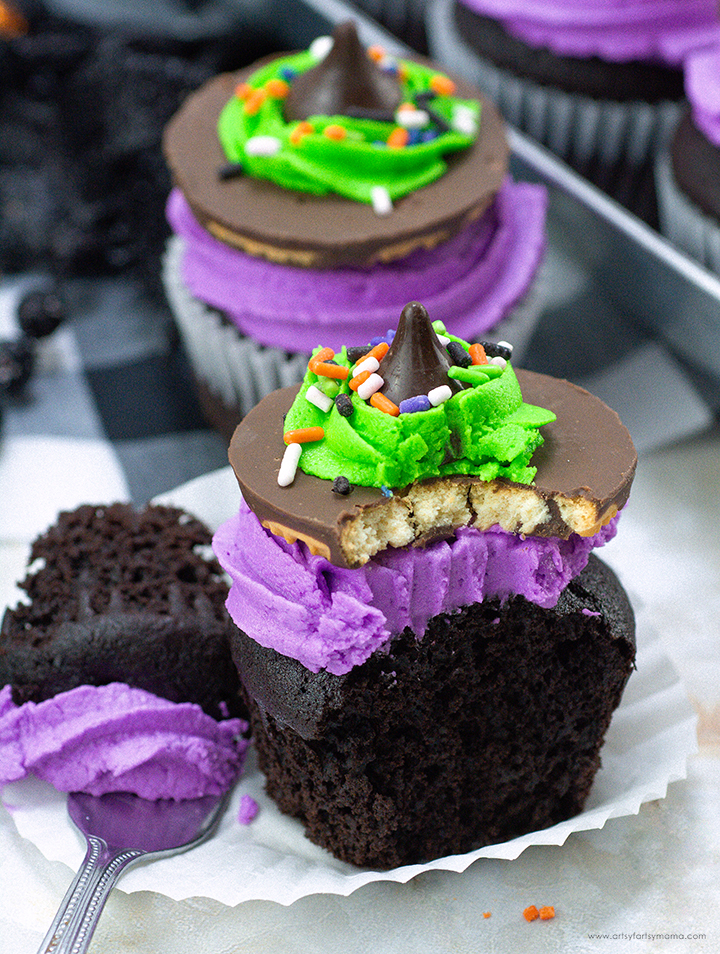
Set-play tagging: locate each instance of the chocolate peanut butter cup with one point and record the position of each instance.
(585, 470)
(326, 231)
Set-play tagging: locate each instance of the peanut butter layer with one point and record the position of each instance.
(328, 231)
(584, 472)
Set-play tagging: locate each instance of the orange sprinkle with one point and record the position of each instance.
(384, 404)
(336, 371)
(277, 88)
(324, 354)
(254, 101)
(335, 131)
(398, 138)
(410, 106)
(304, 435)
(243, 90)
(379, 351)
(442, 85)
(487, 914)
(358, 380)
(402, 72)
(376, 53)
(477, 353)
(531, 913)
(303, 128)
(547, 912)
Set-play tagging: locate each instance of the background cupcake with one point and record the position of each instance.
(599, 82)
(688, 172)
(259, 271)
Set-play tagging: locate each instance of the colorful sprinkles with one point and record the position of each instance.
(430, 113)
(474, 365)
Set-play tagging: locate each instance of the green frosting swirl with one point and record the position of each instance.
(352, 166)
(486, 430)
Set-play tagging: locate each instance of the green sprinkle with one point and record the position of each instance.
(328, 386)
(439, 327)
(468, 375)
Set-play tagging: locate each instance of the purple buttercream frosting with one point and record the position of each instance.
(702, 85)
(99, 739)
(332, 618)
(469, 282)
(614, 30)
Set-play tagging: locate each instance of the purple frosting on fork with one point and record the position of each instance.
(328, 617)
(99, 739)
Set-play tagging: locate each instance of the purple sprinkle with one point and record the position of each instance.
(414, 137)
(496, 621)
(428, 135)
(387, 338)
(386, 492)
(223, 707)
(248, 809)
(589, 612)
(421, 402)
(288, 73)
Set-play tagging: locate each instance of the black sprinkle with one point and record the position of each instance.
(355, 353)
(341, 485)
(330, 361)
(344, 405)
(232, 170)
(493, 350)
(362, 112)
(458, 354)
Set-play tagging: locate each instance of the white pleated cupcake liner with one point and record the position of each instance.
(682, 221)
(575, 127)
(240, 371)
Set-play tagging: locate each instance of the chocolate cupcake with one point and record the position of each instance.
(598, 82)
(316, 192)
(688, 172)
(420, 618)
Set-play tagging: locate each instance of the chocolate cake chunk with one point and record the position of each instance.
(491, 725)
(117, 595)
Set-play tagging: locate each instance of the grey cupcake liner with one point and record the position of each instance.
(575, 127)
(239, 371)
(682, 221)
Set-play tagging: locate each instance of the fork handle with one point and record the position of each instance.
(80, 910)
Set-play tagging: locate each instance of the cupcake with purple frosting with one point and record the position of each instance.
(429, 648)
(688, 172)
(597, 81)
(298, 220)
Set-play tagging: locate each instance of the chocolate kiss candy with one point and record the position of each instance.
(346, 80)
(416, 361)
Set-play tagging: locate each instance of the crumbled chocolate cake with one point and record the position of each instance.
(491, 724)
(119, 595)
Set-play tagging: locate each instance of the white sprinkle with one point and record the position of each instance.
(262, 146)
(464, 120)
(369, 387)
(500, 362)
(381, 201)
(318, 398)
(320, 47)
(367, 364)
(439, 395)
(443, 340)
(288, 466)
(412, 118)
(506, 344)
